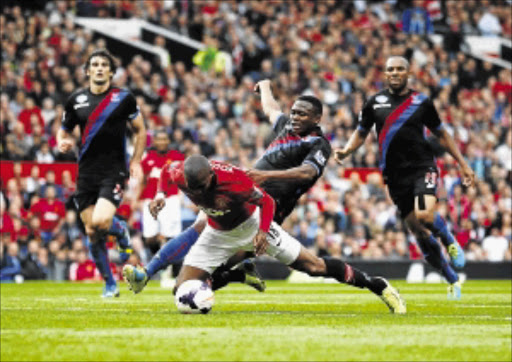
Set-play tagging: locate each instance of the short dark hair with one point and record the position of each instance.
(102, 53)
(196, 168)
(315, 102)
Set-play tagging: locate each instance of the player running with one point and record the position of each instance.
(102, 113)
(407, 163)
(239, 215)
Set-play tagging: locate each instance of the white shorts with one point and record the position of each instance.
(215, 247)
(168, 222)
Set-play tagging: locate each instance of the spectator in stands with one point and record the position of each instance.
(51, 212)
(10, 264)
(416, 20)
(495, 246)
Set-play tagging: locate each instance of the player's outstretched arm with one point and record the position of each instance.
(468, 175)
(303, 172)
(139, 141)
(269, 104)
(355, 141)
(64, 141)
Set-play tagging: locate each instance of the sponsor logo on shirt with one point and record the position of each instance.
(214, 212)
(381, 99)
(385, 105)
(82, 101)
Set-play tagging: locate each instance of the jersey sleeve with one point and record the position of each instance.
(431, 118)
(365, 120)
(69, 119)
(254, 195)
(318, 155)
(131, 106)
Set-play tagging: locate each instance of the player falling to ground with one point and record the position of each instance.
(102, 113)
(240, 219)
(292, 163)
(407, 163)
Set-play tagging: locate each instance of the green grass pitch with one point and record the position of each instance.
(289, 322)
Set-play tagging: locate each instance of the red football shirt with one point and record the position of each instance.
(49, 213)
(152, 166)
(230, 201)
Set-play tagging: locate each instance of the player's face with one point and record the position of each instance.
(161, 142)
(303, 117)
(99, 70)
(396, 73)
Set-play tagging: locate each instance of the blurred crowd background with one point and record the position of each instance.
(334, 50)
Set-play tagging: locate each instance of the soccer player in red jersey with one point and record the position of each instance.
(168, 223)
(240, 218)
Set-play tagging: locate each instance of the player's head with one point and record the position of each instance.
(305, 114)
(396, 73)
(100, 67)
(161, 141)
(198, 173)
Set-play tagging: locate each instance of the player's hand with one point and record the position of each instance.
(135, 170)
(257, 176)
(468, 176)
(155, 206)
(260, 84)
(340, 154)
(260, 243)
(65, 145)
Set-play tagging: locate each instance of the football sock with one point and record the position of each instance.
(344, 273)
(222, 276)
(440, 229)
(434, 256)
(100, 255)
(172, 251)
(118, 229)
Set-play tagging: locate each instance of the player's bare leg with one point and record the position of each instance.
(97, 220)
(344, 273)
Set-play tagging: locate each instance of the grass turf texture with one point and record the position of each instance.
(58, 322)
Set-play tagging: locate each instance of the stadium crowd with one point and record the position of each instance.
(331, 49)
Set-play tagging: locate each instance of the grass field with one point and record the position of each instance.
(306, 322)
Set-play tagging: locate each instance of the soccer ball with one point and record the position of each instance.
(193, 297)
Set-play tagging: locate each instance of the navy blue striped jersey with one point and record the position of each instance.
(103, 120)
(288, 150)
(400, 121)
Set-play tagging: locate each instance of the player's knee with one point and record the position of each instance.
(101, 224)
(424, 217)
(199, 225)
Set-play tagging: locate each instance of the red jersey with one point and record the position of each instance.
(49, 214)
(152, 166)
(230, 201)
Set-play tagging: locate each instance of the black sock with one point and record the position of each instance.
(223, 276)
(344, 273)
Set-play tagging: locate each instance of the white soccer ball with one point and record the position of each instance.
(193, 297)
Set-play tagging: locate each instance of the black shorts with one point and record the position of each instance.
(90, 189)
(405, 185)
